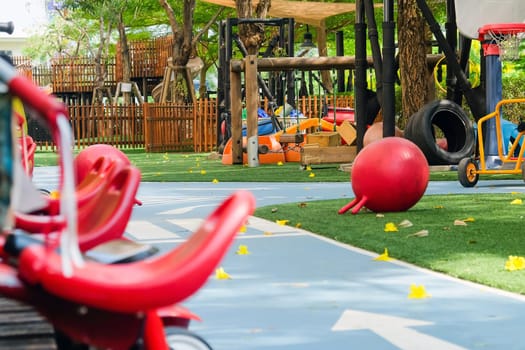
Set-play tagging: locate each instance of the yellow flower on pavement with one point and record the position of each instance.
(515, 263)
(220, 274)
(390, 227)
(418, 292)
(242, 250)
(383, 257)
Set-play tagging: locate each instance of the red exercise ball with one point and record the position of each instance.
(375, 133)
(388, 175)
(85, 159)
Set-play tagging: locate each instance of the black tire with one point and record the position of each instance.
(457, 128)
(183, 339)
(467, 172)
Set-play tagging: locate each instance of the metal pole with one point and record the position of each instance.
(360, 73)
(389, 74)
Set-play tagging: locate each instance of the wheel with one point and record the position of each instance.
(452, 121)
(468, 172)
(183, 339)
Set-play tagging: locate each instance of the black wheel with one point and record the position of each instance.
(448, 118)
(468, 172)
(183, 339)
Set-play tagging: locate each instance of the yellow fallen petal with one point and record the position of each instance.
(54, 194)
(220, 274)
(279, 163)
(203, 172)
(298, 225)
(469, 219)
(383, 257)
(215, 181)
(418, 292)
(282, 222)
(242, 250)
(308, 168)
(243, 229)
(438, 207)
(311, 175)
(267, 233)
(517, 201)
(390, 227)
(515, 263)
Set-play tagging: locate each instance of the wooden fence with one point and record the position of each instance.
(159, 127)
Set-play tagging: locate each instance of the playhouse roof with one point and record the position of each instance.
(312, 13)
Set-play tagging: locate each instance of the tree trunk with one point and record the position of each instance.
(182, 46)
(412, 58)
(252, 35)
(126, 61)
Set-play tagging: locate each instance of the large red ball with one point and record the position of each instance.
(392, 173)
(85, 159)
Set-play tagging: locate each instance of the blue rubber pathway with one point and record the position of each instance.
(296, 290)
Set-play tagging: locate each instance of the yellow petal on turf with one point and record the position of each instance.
(215, 181)
(517, 201)
(390, 227)
(439, 207)
(242, 250)
(203, 172)
(383, 257)
(418, 292)
(405, 223)
(282, 222)
(311, 175)
(460, 223)
(515, 263)
(279, 163)
(220, 274)
(308, 168)
(469, 219)
(298, 225)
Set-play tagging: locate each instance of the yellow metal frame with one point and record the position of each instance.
(506, 159)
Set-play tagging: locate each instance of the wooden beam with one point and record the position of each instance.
(236, 116)
(252, 102)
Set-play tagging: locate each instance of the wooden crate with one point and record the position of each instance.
(314, 154)
(324, 138)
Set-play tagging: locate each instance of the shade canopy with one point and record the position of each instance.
(311, 13)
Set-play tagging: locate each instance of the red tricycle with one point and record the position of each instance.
(94, 300)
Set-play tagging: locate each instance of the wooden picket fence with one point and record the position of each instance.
(160, 127)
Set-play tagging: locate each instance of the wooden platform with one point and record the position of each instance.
(22, 328)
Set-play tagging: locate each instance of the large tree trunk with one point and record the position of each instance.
(182, 48)
(252, 35)
(412, 58)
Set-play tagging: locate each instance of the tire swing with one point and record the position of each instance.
(449, 118)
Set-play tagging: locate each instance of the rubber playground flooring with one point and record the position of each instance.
(296, 290)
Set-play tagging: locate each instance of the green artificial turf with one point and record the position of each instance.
(477, 251)
(205, 167)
